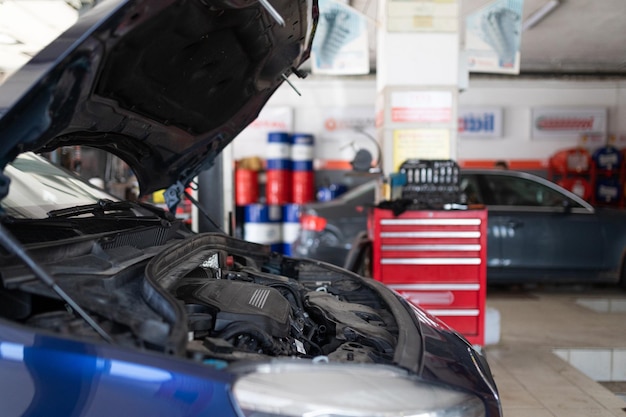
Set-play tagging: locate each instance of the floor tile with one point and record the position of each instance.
(532, 380)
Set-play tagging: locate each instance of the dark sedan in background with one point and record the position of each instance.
(537, 230)
(328, 228)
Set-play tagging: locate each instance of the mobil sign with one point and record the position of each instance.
(480, 122)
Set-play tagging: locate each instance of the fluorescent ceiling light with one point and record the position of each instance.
(540, 14)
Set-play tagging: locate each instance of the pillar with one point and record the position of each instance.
(417, 79)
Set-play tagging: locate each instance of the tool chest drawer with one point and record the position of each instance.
(435, 259)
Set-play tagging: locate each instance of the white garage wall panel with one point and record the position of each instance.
(517, 97)
(319, 94)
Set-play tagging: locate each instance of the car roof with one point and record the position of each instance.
(530, 177)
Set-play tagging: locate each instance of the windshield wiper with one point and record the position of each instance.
(100, 207)
(13, 246)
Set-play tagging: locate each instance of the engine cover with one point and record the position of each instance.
(245, 302)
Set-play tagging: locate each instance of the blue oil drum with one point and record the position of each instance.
(291, 226)
(302, 151)
(608, 190)
(263, 224)
(607, 158)
(278, 151)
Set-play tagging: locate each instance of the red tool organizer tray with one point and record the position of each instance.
(437, 260)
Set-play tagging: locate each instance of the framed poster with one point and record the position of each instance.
(493, 37)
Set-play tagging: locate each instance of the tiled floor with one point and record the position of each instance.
(534, 381)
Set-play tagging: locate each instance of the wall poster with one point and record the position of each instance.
(421, 144)
(493, 37)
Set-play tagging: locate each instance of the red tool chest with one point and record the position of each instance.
(437, 260)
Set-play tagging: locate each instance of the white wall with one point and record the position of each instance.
(320, 93)
(516, 96)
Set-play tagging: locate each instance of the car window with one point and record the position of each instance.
(56, 188)
(516, 191)
(469, 186)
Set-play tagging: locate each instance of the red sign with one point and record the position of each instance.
(423, 106)
(403, 114)
(567, 122)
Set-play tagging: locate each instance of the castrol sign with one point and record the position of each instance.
(567, 122)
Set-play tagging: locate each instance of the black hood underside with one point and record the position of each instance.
(164, 85)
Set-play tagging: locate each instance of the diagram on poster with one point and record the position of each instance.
(493, 37)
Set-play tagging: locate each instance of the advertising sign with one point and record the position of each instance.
(480, 122)
(420, 143)
(346, 130)
(422, 15)
(569, 123)
(252, 140)
(421, 106)
(493, 37)
(340, 46)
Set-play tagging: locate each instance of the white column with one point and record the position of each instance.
(417, 79)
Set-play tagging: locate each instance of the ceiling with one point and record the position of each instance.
(578, 37)
(26, 26)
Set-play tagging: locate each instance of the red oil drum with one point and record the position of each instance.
(246, 187)
(303, 186)
(278, 186)
(579, 186)
(570, 160)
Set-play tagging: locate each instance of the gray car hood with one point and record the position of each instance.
(163, 84)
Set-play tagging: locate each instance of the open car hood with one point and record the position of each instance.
(163, 84)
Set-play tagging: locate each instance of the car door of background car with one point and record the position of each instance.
(538, 231)
(472, 187)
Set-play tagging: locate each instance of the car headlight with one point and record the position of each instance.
(338, 390)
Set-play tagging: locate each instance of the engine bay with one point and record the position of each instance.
(208, 297)
(239, 304)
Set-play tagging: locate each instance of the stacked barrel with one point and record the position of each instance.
(570, 169)
(278, 169)
(303, 178)
(289, 182)
(263, 224)
(598, 178)
(607, 174)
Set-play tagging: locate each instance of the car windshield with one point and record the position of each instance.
(361, 193)
(56, 188)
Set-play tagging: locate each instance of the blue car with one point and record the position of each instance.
(113, 307)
